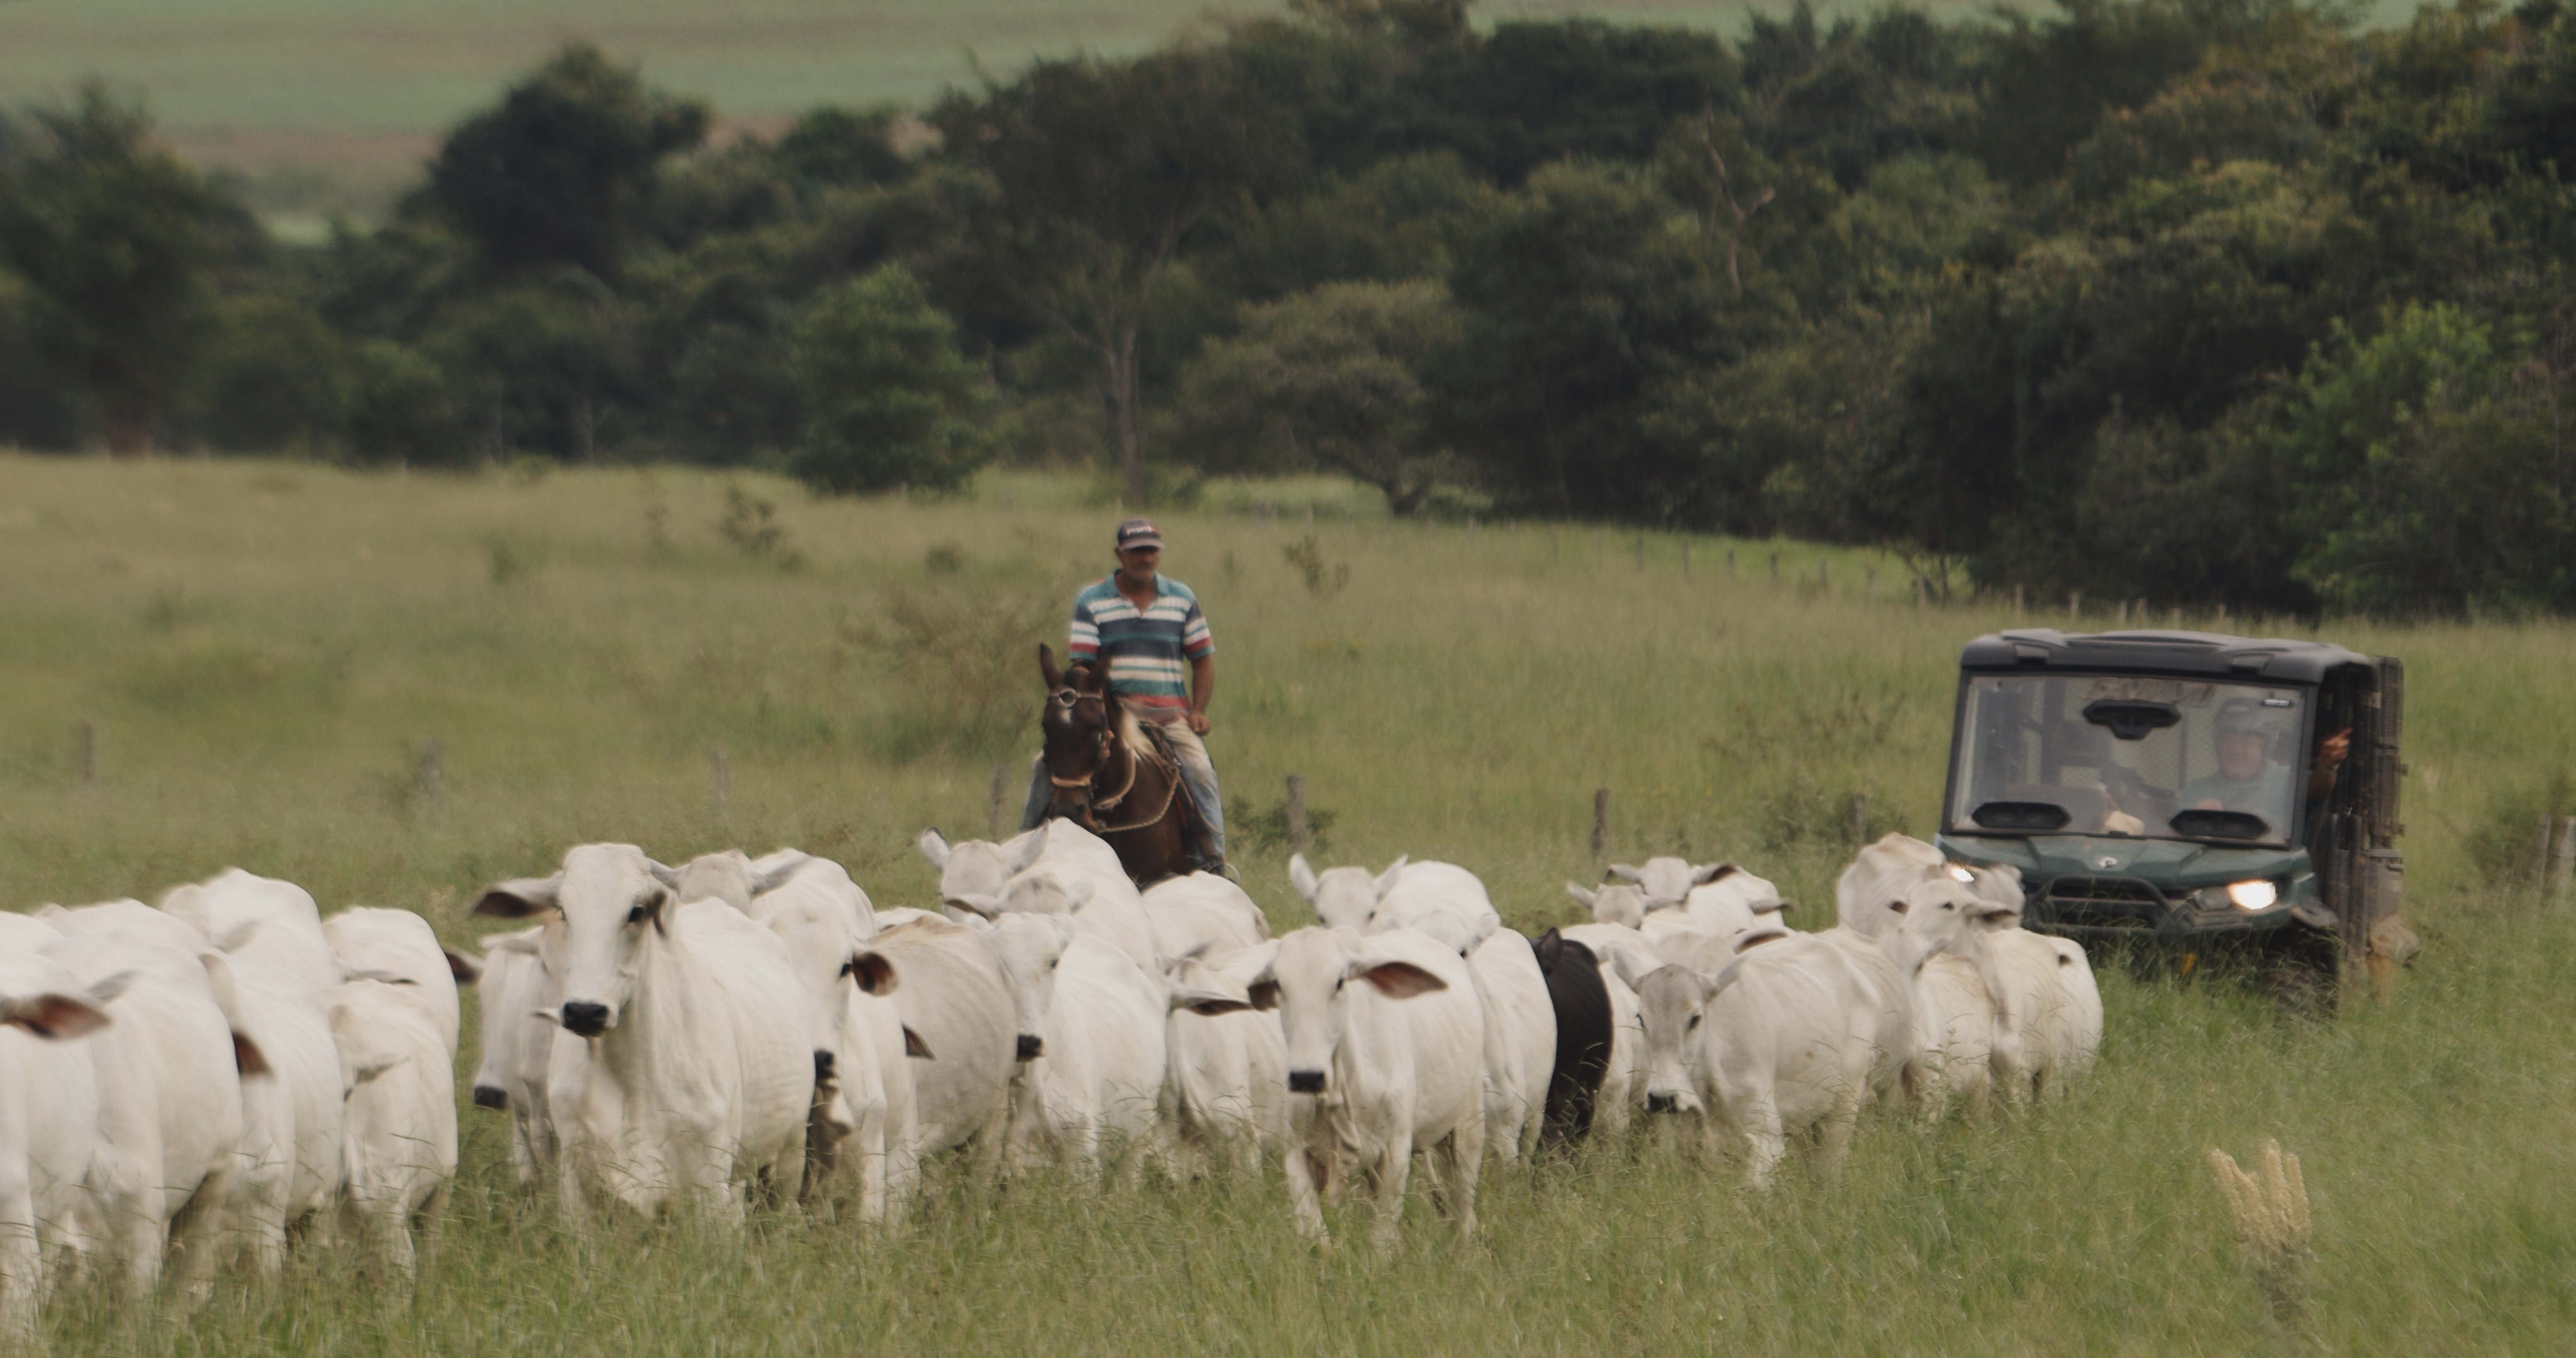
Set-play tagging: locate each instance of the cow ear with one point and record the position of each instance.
(462, 967)
(1547, 949)
(914, 1047)
(51, 910)
(933, 847)
(657, 908)
(1631, 967)
(764, 882)
(1711, 986)
(237, 936)
(666, 875)
(1026, 848)
(1583, 894)
(1399, 980)
(874, 973)
(248, 1059)
(54, 1016)
(1777, 905)
(1394, 872)
(1626, 873)
(1709, 872)
(1080, 893)
(1047, 670)
(106, 991)
(520, 897)
(1301, 875)
(1215, 1005)
(1264, 995)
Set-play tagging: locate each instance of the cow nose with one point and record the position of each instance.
(1305, 1082)
(585, 1018)
(490, 1096)
(1032, 1046)
(823, 1063)
(1662, 1103)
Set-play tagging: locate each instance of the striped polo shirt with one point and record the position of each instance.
(1147, 651)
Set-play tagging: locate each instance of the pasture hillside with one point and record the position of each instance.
(263, 650)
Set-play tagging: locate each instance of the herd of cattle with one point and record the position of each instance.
(231, 1066)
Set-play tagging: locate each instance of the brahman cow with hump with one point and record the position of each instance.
(169, 1080)
(518, 997)
(1384, 1035)
(401, 1083)
(1449, 904)
(1767, 1034)
(1066, 870)
(955, 1007)
(2047, 1008)
(49, 1114)
(698, 1075)
(1093, 1042)
(294, 1118)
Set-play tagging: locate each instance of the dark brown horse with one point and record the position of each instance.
(1108, 778)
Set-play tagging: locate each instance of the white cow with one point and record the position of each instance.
(1227, 1091)
(2048, 1007)
(1771, 1039)
(1669, 880)
(518, 997)
(1203, 910)
(259, 918)
(1110, 909)
(1403, 896)
(1896, 1053)
(401, 1122)
(980, 867)
(955, 1006)
(698, 1076)
(865, 1115)
(294, 1118)
(1618, 903)
(373, 943)
(1092, 1044)
(170, 1097)
(1868, 895)
(49, 1111)
(1384, 1036)
(1520, 1041)
(1957, 1019)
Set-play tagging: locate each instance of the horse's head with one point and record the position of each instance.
(1077, 722)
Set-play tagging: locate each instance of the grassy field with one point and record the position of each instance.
(264, 648)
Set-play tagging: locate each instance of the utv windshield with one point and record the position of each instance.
(2128, 754)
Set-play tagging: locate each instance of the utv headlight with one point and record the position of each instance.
(2254, 895)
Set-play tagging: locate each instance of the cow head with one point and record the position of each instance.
(979, 867)
(1940, 913)
(1344, 898)
(616, 906)
(1032, 947)
(1312, 977)
(1190, 983)
(1616, 904)
(1670, 879)
(821, 939)
(1673, 1008)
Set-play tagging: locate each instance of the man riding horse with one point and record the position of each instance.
(1138, 629)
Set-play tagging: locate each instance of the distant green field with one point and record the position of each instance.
(262, 650)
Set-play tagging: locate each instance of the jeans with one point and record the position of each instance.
(1196, 772)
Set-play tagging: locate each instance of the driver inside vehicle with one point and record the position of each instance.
(2247, 777)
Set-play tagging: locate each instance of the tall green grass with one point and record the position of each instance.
(263, 650)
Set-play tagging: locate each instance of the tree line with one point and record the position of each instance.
(2221, 301)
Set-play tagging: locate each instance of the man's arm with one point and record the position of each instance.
(1202, 691)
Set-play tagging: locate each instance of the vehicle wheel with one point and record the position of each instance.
(2302, 970)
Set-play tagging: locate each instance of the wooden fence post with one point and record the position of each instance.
(1600, 824)
(1641, 551)
(1775, 568)
(1686, 558)
(1860, 818)
(2563, 872)
(1823, 581)
(1298, 838)
(1869, 582)
(2016, 603)
(1730, 563)
(2540, 861)
(89, 754)
(433, 774)
(720, 771)
(2074, 605)
(1001, 795)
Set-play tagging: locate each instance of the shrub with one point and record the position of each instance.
(889, 400)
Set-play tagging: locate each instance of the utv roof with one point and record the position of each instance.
(2183, 653)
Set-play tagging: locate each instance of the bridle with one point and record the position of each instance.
(1106, 743)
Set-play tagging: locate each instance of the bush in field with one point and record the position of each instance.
(277, 377)
(403, 410)
(889, 400)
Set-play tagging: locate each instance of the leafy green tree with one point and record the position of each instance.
(889, 399)
(115, 240)
(543, 365)
(1103, 170)
(2430, 481)
(403, 410)
(1336, 373)
(563, 171)
(275, 377)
